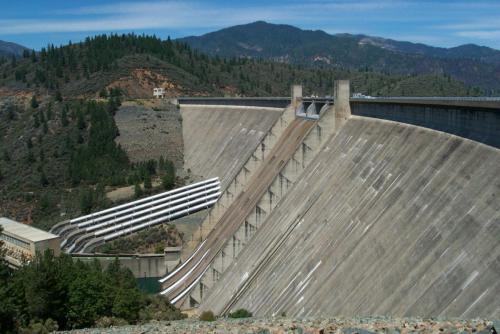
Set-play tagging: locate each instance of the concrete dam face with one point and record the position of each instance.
(377, 218)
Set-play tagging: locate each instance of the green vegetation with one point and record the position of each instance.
(240, 313)
(472, 64)
(66, 158)
(152, 240)
(89, 67)
(207, 316)
(55, 292)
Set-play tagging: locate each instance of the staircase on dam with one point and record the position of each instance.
(255, 192)
(84, 234)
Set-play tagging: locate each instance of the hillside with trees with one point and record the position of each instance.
(57, 157)
(125, 61)
(471, 64)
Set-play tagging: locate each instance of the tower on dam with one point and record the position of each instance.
(342, 105)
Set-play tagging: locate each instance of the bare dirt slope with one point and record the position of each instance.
(391, 219)
(150, 129)
(219, 140)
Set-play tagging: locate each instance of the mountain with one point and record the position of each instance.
(137, 64)
(9, 49)
(472, 64)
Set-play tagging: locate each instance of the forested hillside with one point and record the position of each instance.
(58, 157)
(472, 64)
(136, 64)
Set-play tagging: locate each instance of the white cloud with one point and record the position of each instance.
(480, 34)
(185, 14)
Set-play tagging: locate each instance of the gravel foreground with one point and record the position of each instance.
(306, 326)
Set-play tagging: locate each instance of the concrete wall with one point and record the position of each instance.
(274, 102)
(142, 266)
(219, 140)
(237, 164)
(391, 219)
(279, 188)
(53, 244)
(478, 119)
(476, 123)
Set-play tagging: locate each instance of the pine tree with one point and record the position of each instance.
(80, 120)
(6, 155)
(137, 190)
(34, 102)
(58, 97)
(147, 182)
(64, 117)
(43, 180)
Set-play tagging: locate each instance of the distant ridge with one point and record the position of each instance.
(9, 49)
(470, 63)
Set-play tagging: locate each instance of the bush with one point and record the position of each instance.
(207, 316)
(106, 322)
(241, 313)
(159, 308)
(40, 327)
(137, 190)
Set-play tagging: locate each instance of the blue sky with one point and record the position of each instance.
(35, 23)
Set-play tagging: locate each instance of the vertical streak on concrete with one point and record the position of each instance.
(342, 107)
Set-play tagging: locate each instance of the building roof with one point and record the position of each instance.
(25, 231)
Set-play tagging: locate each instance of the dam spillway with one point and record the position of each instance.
(393, 219)
(383, 217)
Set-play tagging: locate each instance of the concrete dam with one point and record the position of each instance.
(344, 208)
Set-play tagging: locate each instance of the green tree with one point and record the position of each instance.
(6, 155)
(58, 97)
(168, 181)
(43, 180)
(88, 298)
(86, 201)
(33, 56)
(103, 93)
(80, 120)
(34, 102)
(137, 190)
(30, 157)
(64, 116)
(36, 121)
(147, 182)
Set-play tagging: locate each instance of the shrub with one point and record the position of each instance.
(40, 327)
(207, 316)
(106, 322)
(241, 313)
(159, 308)
(137, 190)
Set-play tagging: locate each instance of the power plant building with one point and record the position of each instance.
(22, 241)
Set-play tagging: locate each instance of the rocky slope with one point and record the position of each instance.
(306, 326)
